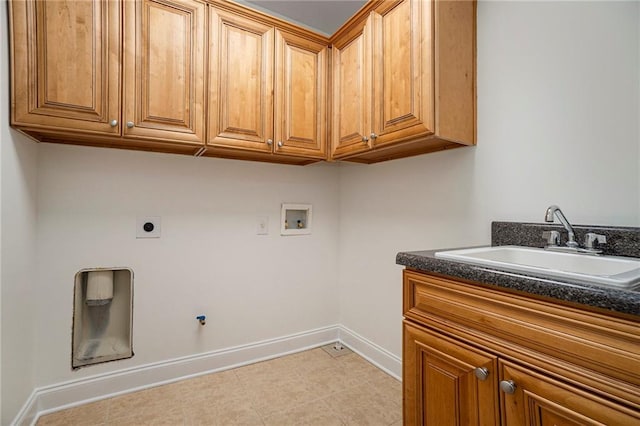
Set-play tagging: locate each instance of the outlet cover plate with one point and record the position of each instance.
(262, 225)
(140, 229)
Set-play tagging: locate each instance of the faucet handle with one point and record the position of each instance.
(552, 237)
(592, 238)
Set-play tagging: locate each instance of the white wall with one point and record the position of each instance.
(17, 239)
(209, 259)
(557, 124)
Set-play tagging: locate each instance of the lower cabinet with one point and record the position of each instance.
(479, 356)
(447, 382)
(532, 399)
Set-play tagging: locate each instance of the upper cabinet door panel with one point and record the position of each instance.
(352, 92)
(300, 96)
(403, 70)
(240, 82)
(164, 90)
(66, 65)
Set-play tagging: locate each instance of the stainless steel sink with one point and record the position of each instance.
(609, 271)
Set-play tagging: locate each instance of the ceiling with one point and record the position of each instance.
(324, 16)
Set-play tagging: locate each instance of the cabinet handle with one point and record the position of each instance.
(508, 387)
(130, 124)
(269, 142)
(365, 139)
(481, 373)
(113, 123)
(373, 136)
(280, 144)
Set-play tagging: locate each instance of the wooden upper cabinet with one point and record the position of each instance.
(267, 88)
(352, 91)
(185, 75)
(440, 383)
(402, 77)
(300, 98)
(66, 65)
(404, 80)
(240, 82)
(164, 70)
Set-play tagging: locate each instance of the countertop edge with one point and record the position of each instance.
(613, 300)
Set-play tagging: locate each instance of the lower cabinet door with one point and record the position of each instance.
(531, 399)
(447, 382)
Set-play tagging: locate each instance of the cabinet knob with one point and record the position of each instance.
(508, 387)
(113, 123)
(280, 144)
(129, 124)
(481, 373)
(269, 142)
(365, 139)
(373, 136)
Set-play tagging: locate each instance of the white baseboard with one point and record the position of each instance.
(373, 353)
(64, 395)
(29, 413)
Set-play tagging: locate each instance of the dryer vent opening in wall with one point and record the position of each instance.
(102, 316)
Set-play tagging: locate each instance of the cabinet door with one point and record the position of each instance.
(300, 96)
(541, 401)
(240, 82)
(351, 71)
(403, 71)
(66, 65)
(164, 74)
(440, 385)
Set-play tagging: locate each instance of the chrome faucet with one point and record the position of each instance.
(549, 217)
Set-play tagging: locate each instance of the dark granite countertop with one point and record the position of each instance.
(623, 301)
(615, 300)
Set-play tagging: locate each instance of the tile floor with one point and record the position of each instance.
(307, 388)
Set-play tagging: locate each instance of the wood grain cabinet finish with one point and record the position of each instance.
(214, 78)
(542, 401)
(66, 65)
(108, 73)
(545, 363)
(441, 387)
(301, 80)
(267, 88)
(352, 91)
(404, 80)
(241, 82)
(164, 70)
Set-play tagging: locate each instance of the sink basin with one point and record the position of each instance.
(609, 271)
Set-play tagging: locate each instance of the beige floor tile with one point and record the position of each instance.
(89, 414)
(331, 379)
(387, 386)
(144, 402)
(306, 388)
(355, 363)
(156, 417)
(284, 395)
(315, 359)
(315, 413)
(220, 386)
(363, 406)
(267, 376)
(223, 413)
